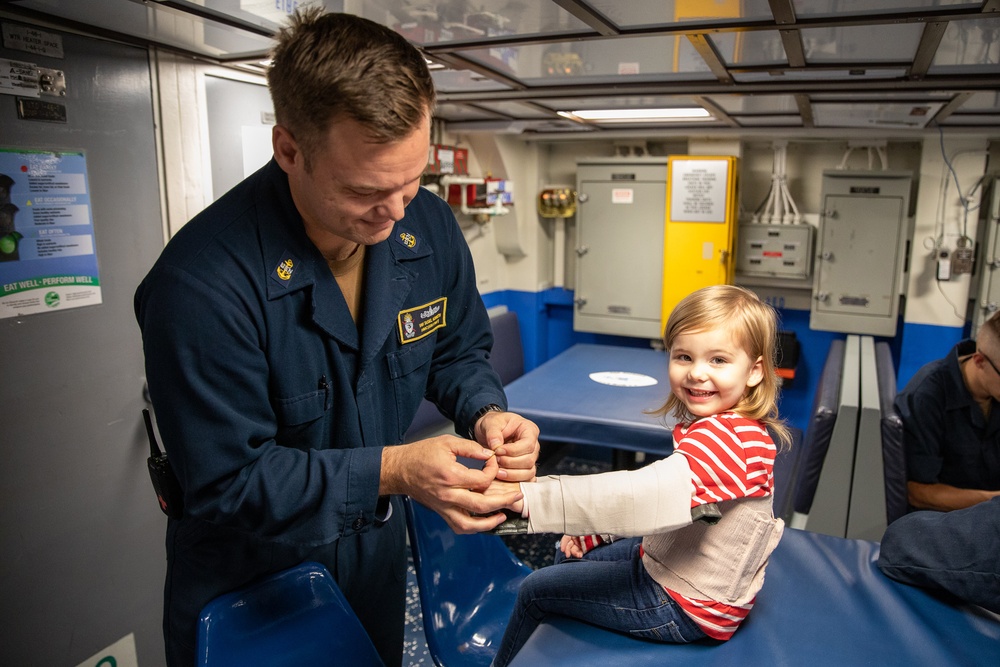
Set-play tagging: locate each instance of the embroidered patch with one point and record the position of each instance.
(285, 268)
(406, 239)
(415, 323)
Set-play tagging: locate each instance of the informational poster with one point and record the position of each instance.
(47, 256)
(698, 190)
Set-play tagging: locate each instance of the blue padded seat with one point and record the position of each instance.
(507, 357)
(893, 454)
(468, 584)
(785, 468)
(291, 618)
(820, 429)
(428, 418)
(824, 603)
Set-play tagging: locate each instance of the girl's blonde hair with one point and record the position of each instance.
(753, 324)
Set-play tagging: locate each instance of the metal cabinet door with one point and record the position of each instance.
(620, 265)
(858, 255)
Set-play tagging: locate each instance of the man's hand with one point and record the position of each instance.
(429, 472)
(944, 497)
(515, 441)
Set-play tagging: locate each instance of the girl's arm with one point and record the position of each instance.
(628, 503)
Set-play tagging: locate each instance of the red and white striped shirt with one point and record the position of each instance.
(730, 457)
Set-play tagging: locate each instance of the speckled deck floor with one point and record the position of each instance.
(534, 550)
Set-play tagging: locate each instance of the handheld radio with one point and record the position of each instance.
(165, 484)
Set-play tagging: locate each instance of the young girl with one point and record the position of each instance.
(665, 576)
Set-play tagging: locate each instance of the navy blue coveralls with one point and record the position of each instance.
(274, 407)
(947, 438)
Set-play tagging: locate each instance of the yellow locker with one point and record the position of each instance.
(700, 228)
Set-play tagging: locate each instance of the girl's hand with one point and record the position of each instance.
(571, 546)
(507, 489)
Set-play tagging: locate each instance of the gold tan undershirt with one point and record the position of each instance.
(349, 274)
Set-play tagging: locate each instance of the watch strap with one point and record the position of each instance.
(492, 407)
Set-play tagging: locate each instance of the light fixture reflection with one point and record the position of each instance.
(672, 114)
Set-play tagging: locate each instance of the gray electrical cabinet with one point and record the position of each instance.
(860, 252)
(775, 251)
(988, 291)
(620, 216)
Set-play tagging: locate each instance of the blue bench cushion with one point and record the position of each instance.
(824, 602)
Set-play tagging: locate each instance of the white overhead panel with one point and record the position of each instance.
(519, 61)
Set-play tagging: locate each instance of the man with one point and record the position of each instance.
(292, 328)
(952, 425)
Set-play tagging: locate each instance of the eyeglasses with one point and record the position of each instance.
(990, 361)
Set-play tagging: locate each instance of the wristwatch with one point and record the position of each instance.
(514, 524)
(492, 407)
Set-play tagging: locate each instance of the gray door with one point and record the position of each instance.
(619, 273)
(81, 537)
(238, 113)
(858, 252)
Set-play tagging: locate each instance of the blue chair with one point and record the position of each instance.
(291, 618)
(893, 453)
(818, 434)
(506, 358)
(468, 584)
(786, 464)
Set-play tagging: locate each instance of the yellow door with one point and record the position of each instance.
(700, 227)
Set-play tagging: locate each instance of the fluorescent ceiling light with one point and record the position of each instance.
(638, 115)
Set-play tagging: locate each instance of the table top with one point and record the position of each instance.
(598, 395)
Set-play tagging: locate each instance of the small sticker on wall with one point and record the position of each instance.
(707, 250)
(32, 40)
(18, 78)
(120, 654)
(622, 195)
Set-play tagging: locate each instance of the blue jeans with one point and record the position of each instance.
(957, 552)
(609, 588)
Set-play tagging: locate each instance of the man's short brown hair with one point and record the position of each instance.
(330, 66)
(988, 338)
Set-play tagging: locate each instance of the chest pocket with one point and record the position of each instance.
(409, 368)
(300, 420)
